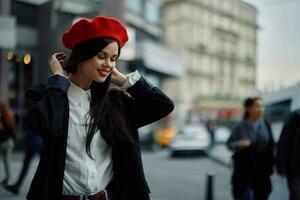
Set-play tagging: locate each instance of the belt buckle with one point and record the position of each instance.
(84, 197)
(106, 194)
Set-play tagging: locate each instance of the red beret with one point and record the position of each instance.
(100, 26)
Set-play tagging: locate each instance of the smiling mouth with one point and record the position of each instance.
(102, 72)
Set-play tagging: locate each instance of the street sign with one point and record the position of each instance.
(8, 34)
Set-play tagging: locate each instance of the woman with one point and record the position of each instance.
(252, 143)
(89, 130)
(7, 138)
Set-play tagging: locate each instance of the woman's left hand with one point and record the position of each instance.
(56, 63)
(118, 78)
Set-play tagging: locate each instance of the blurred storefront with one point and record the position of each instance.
(222, 111)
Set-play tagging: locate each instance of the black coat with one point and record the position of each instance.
(48, 114)
(250, 165)
(288, 147)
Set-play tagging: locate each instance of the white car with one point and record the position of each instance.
(192, 138)
(222, 134)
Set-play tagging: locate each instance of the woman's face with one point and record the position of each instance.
(99, 67)
(256, 110)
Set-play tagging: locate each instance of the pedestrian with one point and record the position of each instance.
(33, 145)
(252, 142)
(88, 114)
(7, 139)
(211, 127)
(287, 154)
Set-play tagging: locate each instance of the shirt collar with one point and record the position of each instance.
(77, 92)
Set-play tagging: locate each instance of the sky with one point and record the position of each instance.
(278, 50)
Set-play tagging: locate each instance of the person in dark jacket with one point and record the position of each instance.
(8, 136)
(252, 142)
(288, 154)
(88, 114)
(33, 145)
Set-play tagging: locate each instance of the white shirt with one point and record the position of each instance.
(83, 174)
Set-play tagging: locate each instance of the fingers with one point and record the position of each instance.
(56, 62)
(59, 56)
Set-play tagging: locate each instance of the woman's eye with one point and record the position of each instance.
(101, 56)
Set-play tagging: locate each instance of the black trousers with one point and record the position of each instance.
(259, 185)
(294, 187)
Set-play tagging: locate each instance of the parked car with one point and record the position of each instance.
(164, 136)
(190, 139)
(221, 134)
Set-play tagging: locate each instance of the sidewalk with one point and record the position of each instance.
(16, 165)
(220, 154)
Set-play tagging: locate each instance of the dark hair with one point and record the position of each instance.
(106, 111)
(86, 50)
(248, 103)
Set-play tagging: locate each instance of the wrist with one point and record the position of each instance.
(60, 73)
(54, 72)
(120, 80)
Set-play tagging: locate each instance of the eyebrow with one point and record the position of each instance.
(107, 53)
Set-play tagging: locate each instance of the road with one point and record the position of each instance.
(181, 178)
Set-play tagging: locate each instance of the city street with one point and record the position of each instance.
(221, 77)
(185, 178)
(170, 178)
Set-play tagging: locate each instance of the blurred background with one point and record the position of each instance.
(207, 55)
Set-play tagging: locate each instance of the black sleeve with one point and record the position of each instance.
(233, 140)
(270, 147)
(148, 104)
(283, 144)
(45, 105)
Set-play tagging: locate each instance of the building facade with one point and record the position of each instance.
(217, 40)
(149, 55)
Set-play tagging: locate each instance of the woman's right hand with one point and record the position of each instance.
(244, 143)
(56, 63)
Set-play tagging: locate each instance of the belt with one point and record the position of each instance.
(103, 195)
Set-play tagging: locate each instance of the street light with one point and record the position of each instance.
(10, 55)
(27, 59)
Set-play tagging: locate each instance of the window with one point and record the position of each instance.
(152, 11)
(135, 6)
(26, 14)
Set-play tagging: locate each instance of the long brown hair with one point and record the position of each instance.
(6, 116)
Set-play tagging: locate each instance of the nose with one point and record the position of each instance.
(107, 63)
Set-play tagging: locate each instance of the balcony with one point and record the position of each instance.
(248, 81)
(229, 33)
(200, 48)
(250, 61)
